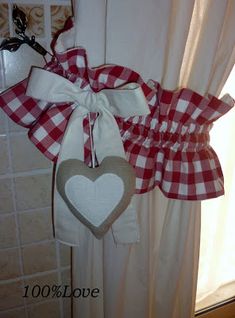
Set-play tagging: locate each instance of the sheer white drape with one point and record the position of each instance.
(218, 217)
(180, 42)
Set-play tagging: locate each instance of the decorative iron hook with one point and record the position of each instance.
(12, 44)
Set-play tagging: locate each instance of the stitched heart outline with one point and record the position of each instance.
(111, 168)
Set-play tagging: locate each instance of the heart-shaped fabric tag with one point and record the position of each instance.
(96, 196)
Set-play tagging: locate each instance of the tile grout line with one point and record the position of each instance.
(40, 209)
(11, 310)
(29, 276)
(33, 243)
(47, 24)
(29, 305)
(28, 173)
(47, 32)
(11, 29)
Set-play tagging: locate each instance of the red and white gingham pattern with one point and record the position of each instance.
(168, 148)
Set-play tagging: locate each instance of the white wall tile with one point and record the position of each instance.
(8, 231)
(33, 192)
(25, 156)
(11, 295)
(13, 127)
(16, 313)
(2, 81)
(18, 64)
(4, 160)
(9, 264)
(46, 310)
(35, 226)
(6, 196)
(3, 120)
(39, 258)
(42, 280)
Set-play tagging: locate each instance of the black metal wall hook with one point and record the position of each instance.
(12, 44)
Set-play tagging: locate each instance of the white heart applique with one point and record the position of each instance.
(96, 196)
(96, 199)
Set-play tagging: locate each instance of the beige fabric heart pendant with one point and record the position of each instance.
(96, 196)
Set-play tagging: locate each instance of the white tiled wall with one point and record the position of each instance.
(28, 253)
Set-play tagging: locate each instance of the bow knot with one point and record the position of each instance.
(87, 99)
(93, 102)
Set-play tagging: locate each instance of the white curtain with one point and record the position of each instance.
(218, 217)
(180, 42)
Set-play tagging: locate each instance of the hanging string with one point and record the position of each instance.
(91, 143)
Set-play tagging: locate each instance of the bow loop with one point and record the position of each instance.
(126, 101)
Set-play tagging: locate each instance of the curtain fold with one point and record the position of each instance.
(154, 278)
(218, 218)
(176, 43)
(90, 16)
(208, 56)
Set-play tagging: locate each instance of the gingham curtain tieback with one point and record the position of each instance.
(125, 101)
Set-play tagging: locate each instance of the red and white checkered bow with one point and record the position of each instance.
(168, 148)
